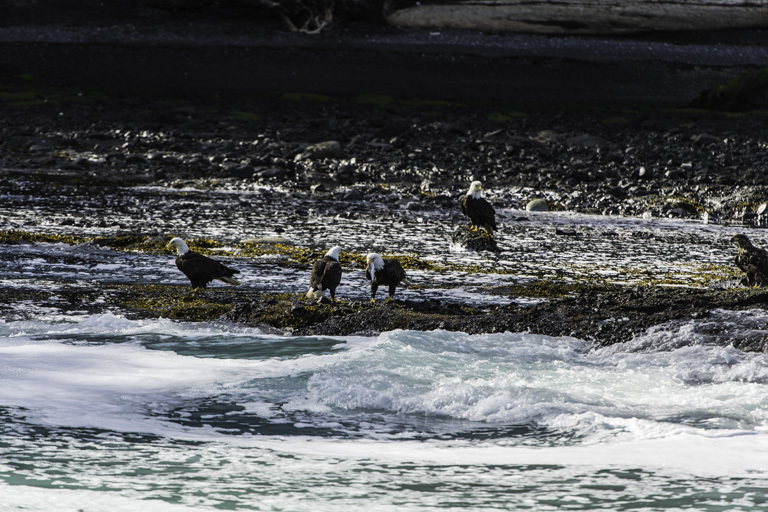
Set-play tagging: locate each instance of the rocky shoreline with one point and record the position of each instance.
(417, 154)
(603, 317)
(601, 313)
(661, 163)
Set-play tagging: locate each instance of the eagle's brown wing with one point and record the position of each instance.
(479, 211)
(393, 272)
(201, 270)
(316, 278)
(332, 274)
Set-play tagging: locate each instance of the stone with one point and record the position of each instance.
(270, 172)
(328, 149)
(537, 205)
(467, 239)
(586, 141)
(318, 188)
(353, 194)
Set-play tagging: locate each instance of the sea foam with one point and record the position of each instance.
(110, 372)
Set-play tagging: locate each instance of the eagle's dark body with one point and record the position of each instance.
(752, 260)
(480, 212)
(390, 274)
(201, 270)
(326, 275)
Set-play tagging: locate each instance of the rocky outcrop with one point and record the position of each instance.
(466, 239)
(585, 16)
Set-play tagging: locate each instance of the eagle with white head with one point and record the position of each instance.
(199, 269)
(480, 212)
(326, 275)
(386, 272)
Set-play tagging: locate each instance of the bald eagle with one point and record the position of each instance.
(200, 269)
(752, 260)
(384, 272)
(480, 212)
(326, 275)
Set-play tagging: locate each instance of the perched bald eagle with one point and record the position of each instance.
(479, 211)
(384, 272)
(326, 275)
(200, 269)
(752, 260)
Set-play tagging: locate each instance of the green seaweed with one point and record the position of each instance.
(503, 117)
(246, 116)
(15, 236)
(739, 88)
(694, 208)
(170, 301)
(17, 95)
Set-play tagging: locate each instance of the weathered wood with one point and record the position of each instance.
(586, 16)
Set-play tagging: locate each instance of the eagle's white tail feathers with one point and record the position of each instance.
(406, 282)
(315, 294)
(230, 280)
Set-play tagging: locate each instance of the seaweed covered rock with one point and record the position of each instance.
(742, 93)
(287, 311)
(468, 239)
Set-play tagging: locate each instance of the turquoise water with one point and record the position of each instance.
(102, 412)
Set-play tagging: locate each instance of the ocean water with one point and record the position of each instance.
(101, 412)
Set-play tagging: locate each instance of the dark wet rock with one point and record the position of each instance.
(237, 170)
(468, 239)
(415, 206)
(603, 316)
(586, 141)
(352, 194)
(271, 172)
(318, 188)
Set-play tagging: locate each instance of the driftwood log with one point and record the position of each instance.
(586, 16)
